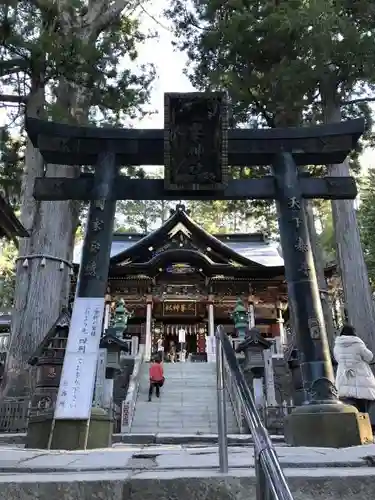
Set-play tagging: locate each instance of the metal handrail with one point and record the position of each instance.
(271, 482)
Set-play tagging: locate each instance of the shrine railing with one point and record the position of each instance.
(235, 401)
(128, 405)
(14, 415)
(271, 482)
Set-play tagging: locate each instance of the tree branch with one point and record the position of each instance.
(12, 65)
(357, 101)
(18, 99)
(103, 12)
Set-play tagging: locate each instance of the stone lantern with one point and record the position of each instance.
(240, 318)
(113, 347)
(254, 367)
(120, 319)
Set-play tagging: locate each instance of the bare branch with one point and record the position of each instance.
(357, 101)
(43, 5)
(103, 12)
(18, 99)
(12, 65)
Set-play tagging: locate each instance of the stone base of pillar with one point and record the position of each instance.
(334, 425)
(70, 434)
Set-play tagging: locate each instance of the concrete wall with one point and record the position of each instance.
(346, 484)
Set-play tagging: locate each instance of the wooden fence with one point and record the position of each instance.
(14, 415)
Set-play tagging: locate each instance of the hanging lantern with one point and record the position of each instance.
(62, 265)
(25, 263)
(43, 262)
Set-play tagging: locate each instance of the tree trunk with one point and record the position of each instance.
(40, 291)
(356, 286)
(319, 268)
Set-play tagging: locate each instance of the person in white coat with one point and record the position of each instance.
(355, 381)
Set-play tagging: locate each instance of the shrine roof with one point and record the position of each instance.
(110, 338)
(249, 249)
(254, 338)
(10, 226)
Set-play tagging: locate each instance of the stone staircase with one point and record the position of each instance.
(187, 404)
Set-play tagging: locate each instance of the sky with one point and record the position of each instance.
(169, 63)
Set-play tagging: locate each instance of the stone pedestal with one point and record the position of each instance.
(70, 434)
(327, 425)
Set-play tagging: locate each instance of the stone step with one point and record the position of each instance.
(163, 438)
(186, 474)
(187, 404)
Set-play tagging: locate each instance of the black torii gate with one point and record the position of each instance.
(196, 148)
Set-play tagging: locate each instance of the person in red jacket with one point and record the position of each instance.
(156, 378)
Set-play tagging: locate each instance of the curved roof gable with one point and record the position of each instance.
(181, 232)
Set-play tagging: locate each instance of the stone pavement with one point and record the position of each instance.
(187, 404)
(175, 458)
(180, 472)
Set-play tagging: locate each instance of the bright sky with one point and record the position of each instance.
(168, 62)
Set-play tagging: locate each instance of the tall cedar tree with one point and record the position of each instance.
(60, 59)
(367, 223)
(285, 63)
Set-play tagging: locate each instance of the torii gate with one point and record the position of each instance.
(196, 148)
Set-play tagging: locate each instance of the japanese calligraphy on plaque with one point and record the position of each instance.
(179, 309)
(75, 394)
(196, 141)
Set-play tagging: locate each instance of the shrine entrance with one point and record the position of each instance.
(196, 149)
(188, 339)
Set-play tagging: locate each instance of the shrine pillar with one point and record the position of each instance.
(134, 345)
(148, 342)
(107, 311)
(210, 339)
(269, 378)
(251, 311)
(281, 341)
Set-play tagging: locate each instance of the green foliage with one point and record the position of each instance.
(324, 223)
(277, 61)
(8, 254)
(141, 216)
(57, 47)
(11, 167)
(366, 218)
(76, 57)
(273, 58)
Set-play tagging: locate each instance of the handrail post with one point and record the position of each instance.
(221, 408)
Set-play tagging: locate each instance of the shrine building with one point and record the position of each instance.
(181, 278)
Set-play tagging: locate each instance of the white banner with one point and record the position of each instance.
(182, 336)
(74, 399)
